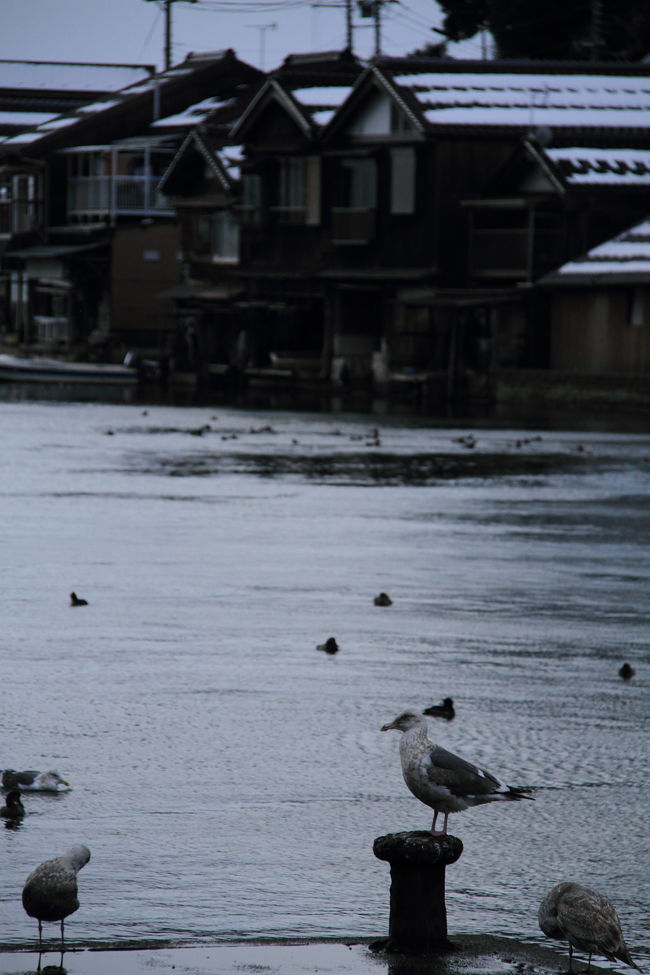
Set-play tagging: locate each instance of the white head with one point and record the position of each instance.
(77, 857)
(406, 722)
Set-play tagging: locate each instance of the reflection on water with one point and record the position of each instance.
(230, 780)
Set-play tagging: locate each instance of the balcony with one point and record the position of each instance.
(101, 196)
(513, 252)
(352, 225)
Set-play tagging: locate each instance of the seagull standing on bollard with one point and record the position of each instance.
(587, 920)
(50, 891)
(440, 779)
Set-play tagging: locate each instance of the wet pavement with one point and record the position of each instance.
(472, 955)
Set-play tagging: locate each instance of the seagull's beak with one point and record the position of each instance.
(387, 727)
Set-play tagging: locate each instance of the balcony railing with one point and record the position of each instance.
(352, 225)
(99, 195)
(512, 253)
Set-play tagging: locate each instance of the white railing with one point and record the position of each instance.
(115, 195)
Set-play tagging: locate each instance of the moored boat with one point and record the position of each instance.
(38, 369)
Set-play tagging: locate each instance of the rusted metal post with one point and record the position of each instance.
(418, 916)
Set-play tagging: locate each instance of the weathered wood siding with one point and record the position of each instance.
(596, 331)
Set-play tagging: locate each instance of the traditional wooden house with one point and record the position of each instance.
(86, 261)
(599, 310)
(392, 227)
(253, 234)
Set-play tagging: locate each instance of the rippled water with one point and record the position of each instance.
(229, 779)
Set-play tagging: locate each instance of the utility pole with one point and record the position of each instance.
(348, 19)
(168, 28)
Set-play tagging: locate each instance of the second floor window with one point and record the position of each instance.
(299, 189)
(360, 184)
(217, 237)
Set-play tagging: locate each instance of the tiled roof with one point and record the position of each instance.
(528, 98)
(69, 76)
(581, 166)
(321, 101)
(150, 87)
(624, 259)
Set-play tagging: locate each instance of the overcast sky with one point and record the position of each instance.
(262, 32)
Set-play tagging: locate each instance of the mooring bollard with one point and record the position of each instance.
(418, 916)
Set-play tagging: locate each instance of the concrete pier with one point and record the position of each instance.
(418, 915)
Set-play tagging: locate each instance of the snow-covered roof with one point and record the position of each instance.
(581, 166)
(530, 99)
(137, 85)
(624, 258)
(321, 102)
(68, 76)
(24, 119)
(193, 114)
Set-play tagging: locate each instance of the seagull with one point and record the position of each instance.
(587, 920)
(32, 781)
(330, 646)
(383, 599)
(440, 779)
(50, 891)
(76, 601)
(444, 710)
(626, 671)
(14, 809)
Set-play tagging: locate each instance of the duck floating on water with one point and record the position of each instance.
(330, 646)
(383, 599)
(626, 671)
(32, 781)
(76, 601)
(444, 710)
(13, 808)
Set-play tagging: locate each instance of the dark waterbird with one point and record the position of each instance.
(50, 891)
(76, 601)
(383, 599)
(13, 808)
(626, 671)
(587, 920)
(444, 710)
(440, 779)
(330, 646)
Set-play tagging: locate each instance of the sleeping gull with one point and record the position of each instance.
(32, 781)
(440, 779)
(586, 919)
(13, 808)
(50, 891)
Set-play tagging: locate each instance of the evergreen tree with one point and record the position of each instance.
(611, 30)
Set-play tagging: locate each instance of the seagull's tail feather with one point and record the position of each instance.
(515, 794)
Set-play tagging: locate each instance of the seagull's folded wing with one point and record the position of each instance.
(461, 777)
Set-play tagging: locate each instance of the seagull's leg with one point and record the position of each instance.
(40, 933)
(439, 832)
(62, 939)
(570, 957)
(589, 963)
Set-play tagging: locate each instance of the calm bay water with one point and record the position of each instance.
(230, 780)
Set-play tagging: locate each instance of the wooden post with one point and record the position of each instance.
(418, 916)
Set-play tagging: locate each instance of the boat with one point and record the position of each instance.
(36, 369)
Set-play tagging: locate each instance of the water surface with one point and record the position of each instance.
(230, 780)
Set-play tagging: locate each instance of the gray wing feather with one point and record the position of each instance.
(461, 777)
